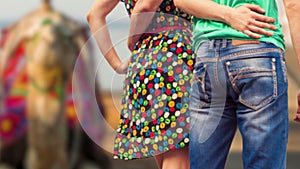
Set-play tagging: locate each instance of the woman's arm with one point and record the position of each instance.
(248, 18)
(97, 22)
(292, 8)
(141, 17)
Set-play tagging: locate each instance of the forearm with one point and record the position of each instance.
(204, 8)
(247, 18)
(97, 23)
(105, 44)
(292, 10)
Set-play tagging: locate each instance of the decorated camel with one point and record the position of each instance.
(51, 44)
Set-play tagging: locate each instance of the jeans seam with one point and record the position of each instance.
(258, 106)
(256, 74)
(274, 78)
(202, 82)
(216, 64)
(250, 52)
(283, 65)
(249, 69)
(271, 97)
(271, 73)
(198, 59)
(216, 73)
(238, 54)
(232, 80)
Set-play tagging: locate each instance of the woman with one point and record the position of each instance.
(154, 117)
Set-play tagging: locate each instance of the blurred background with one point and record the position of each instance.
(83, 150)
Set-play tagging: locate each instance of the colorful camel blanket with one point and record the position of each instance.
(13, 123)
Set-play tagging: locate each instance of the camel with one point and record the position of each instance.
(52, 42)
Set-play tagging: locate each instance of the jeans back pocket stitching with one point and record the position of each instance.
(202, 76)
(266, 101)
(265, 73)
(231, 78)
(284, 69)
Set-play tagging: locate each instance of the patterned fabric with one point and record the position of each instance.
(298, 110)
(13, 117)
(154, 115)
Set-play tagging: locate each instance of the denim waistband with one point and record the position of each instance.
(225, 49)
(223, 43)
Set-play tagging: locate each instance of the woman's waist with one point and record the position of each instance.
(162, 29)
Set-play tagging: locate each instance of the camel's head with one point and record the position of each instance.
(51, 42)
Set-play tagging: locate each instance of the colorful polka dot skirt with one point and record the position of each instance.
(154, 115)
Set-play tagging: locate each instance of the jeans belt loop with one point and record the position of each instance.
(224, 43)
(211, 45)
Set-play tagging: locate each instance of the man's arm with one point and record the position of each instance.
(292, 8)
(248, 18)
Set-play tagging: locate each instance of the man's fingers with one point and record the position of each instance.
(263, 18)
(264, 25)
(259, 13)
(259, 30)
(251, 34)
(255, 8)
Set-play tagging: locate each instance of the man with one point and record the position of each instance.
(240, 81)
(292, 10)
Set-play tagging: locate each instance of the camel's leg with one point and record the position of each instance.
(47, 129)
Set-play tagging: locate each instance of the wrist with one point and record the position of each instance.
(116, 65)
(226, 15)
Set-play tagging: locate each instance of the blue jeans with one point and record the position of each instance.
(242, 86)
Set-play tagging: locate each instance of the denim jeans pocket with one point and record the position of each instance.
(199, 80)
(254, 80)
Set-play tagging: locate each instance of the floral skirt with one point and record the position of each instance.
(154, 115)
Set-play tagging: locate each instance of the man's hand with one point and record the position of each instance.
(250, 20)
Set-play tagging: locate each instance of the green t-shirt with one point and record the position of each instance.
(207, 29)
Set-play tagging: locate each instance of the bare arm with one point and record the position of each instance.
(97, 23)
(292, 8)
(248, 18)
(141, 17)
